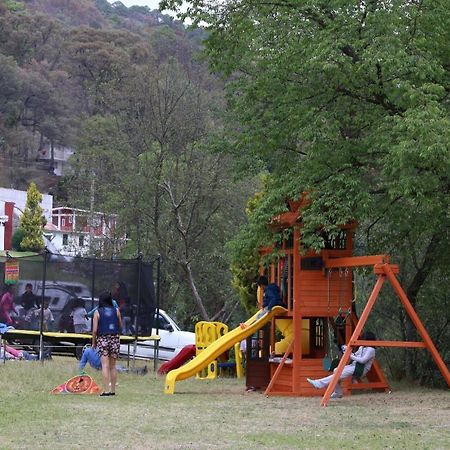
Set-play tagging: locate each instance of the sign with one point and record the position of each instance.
(11, 272)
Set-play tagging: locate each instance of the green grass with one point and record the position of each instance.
(208, 415)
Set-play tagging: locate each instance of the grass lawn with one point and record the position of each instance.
(208, 415)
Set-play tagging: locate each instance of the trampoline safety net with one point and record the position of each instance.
(65, 282)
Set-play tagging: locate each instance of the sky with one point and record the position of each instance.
(152, 4)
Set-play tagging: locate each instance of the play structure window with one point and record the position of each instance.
(337, 241)
(259, 344)
(313, 263)
(289, 242)
(319, 339)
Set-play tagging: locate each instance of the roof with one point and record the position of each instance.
(50, 227)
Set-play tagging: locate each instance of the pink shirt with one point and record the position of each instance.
(7, 303)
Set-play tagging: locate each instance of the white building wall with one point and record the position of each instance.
(72, 248)
(20, 200)
(61, 157)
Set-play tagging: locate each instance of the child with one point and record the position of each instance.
(32, 318)
(48, 317)
(78, 315)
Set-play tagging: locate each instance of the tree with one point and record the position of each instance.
(174, 196)
(347, 101)
(17, 238)
(167, 113)
(32, 221)
(97, 58)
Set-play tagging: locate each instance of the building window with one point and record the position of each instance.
(65, 239)
(63, 222)
(81, 241)
(70, 219)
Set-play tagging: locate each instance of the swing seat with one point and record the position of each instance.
(329, 364)
(340, 322)
(359, 370)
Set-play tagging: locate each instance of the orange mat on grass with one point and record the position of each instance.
(81, 384)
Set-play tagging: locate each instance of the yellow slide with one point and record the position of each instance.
(221, 345)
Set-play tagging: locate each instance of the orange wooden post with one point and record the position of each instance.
(297, 316)
(297, 353)
(418, 324)
(280, 366)
(359, 326)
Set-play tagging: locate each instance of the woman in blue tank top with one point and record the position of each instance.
(107, 323)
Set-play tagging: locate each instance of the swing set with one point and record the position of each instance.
(384, 271)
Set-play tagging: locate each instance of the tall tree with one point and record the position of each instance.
(32, 221)
(173, 193)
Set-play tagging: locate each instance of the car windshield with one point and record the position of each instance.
(161, 322)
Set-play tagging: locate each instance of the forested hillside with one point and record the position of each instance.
(124, 88)
(56, 57)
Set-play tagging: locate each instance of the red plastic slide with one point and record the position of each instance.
(186, 353)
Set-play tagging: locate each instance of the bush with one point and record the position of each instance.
(17, 239)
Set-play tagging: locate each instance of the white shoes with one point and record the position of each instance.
(316, 384)
(313, 382)
(335, 395)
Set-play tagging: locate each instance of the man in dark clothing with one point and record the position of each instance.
(272, 295)
(29, 299)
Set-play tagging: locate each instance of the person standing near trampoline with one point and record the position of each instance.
(107, 323)
(7, 306)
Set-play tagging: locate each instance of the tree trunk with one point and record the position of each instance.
(412, 292)
(186, 264)
(197, 297)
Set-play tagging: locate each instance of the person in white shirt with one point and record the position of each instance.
(364, 355)
(78, 315)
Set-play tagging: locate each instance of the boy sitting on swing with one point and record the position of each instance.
(361, 363)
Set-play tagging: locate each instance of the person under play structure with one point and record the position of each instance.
(364, 356)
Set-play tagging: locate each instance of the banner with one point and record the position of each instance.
(11, 271)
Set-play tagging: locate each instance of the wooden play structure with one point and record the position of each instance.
(318, 291)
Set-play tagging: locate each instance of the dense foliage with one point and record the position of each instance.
(123, 88)
(349, 102)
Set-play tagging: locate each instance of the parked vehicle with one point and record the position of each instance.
(58, 296)
(172, 340)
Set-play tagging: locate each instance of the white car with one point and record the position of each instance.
(172, 340)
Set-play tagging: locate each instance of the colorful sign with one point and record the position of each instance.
(11, 272)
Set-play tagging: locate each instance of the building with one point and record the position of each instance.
(57, 156)
(69, 231)
(12, 204)
(78, 232)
